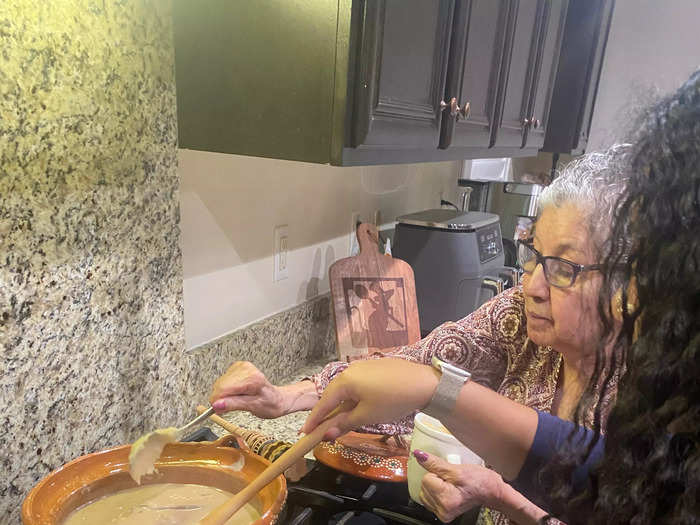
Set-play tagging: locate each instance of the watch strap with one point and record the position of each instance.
(444, 398)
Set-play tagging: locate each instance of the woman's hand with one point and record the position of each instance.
(451, 490)
(374, 391)
(244, 387)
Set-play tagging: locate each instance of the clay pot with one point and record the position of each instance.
(365, 455)
(95, 475)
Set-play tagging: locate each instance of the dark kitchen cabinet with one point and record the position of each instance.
(366, 82)
(524, 30)
(552, 29)
(401, 74)
(476, 57)
(576, 83)
(532, 59)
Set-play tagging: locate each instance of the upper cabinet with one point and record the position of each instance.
(366, 82)
(476, 56)
(400, 78)
(576, 84)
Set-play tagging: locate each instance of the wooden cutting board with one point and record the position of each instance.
(374, 300)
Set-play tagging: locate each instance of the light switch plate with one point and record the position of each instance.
(281, 253)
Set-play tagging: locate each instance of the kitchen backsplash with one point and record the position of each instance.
(279, 345)
(91, 310)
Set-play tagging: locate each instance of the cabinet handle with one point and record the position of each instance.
(532, 122)
(466, 110)
(454, 108)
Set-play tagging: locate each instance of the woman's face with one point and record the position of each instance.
(563, 318)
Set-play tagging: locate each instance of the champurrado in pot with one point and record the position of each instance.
(95, 476)
(159, 504)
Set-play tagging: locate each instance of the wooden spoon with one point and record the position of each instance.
(223, 512)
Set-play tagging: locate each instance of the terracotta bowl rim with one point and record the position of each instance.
(272, 513)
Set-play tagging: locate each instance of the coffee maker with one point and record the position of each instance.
(458, 261)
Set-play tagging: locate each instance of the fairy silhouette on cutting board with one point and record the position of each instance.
(378, 321)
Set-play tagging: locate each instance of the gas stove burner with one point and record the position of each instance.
(328, 497)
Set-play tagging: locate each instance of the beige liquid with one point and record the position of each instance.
(147, 449)
(158, 504)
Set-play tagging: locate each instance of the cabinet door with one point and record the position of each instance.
(525, 23)
(474, 71)
(401, 70)
(553, 20)
(600, 40)
(578, 73)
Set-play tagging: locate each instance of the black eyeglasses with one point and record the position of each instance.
(558, 272)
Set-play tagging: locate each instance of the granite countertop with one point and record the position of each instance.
(283, 428)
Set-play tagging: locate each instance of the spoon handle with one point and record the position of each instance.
(201, 417)
(226, 425)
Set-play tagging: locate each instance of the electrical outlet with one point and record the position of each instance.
(281, 253)
(354, 247)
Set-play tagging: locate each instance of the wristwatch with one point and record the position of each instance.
(451, 382)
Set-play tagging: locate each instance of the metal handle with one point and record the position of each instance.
(531, 122)
(454, 107)
(494, 284)
(204, 415)
(510, 275)
(466, 194)
(466, 110)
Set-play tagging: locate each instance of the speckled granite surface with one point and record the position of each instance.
(278, 345)
(91, 320)
(92, 350)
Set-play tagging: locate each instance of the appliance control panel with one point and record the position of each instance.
(488, 240)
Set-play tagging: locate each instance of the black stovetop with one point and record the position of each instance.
(325, 496)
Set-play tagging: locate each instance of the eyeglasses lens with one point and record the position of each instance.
(557, 273)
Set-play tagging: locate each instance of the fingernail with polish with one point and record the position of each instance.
(420, 456)
(219, 405)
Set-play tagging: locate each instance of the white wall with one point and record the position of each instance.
(230, 205)
(652, 49)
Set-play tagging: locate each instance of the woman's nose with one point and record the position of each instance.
(535, 284)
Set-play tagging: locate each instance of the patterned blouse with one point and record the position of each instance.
(492, 344)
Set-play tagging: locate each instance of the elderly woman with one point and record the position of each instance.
(528, 343)
(645, 470)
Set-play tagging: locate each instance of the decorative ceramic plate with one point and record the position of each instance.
(370, 456)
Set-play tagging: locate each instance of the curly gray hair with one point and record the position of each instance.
(593, 182)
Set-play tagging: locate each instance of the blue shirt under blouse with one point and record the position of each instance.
(552, 436)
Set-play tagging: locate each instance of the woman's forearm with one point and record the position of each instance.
(299, 396)
(499, 430)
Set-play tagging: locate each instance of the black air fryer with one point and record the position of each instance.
(457, 258)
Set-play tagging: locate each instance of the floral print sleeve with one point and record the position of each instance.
(480, 343)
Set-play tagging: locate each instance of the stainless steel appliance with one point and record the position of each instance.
(457, 258)
(512, 201)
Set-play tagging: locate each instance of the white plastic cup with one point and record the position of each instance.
(429, 435)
